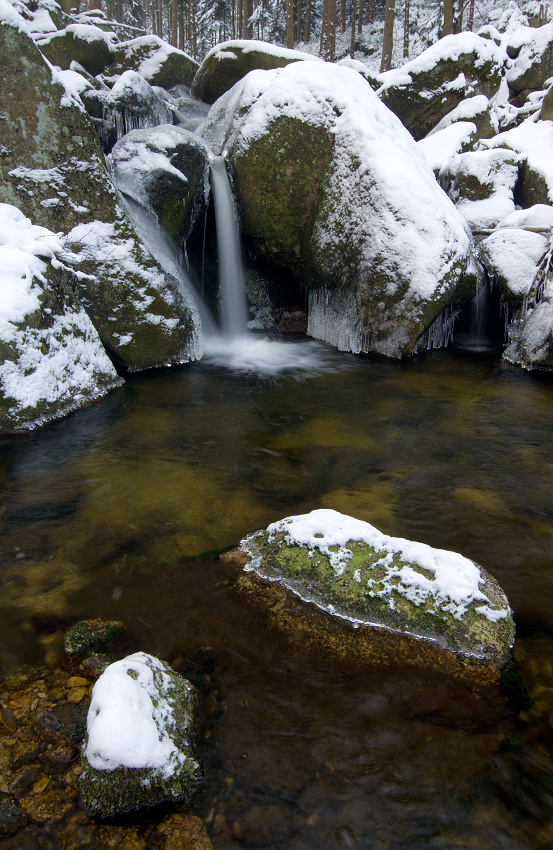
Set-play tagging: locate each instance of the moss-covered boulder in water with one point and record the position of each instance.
(165, 169)
(376, 597)
(228, 62)
(331, 185)
(155, 60)
(138, 747)
(89, 634)
(82, 43)
(424, 90)
(54, 172)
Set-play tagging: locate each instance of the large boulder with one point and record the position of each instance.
(546, 112)
(533, 140)
(88, 45)
(425, 89)
(138, 747)
(228, 62)
(165, 169)
(358, 592)
(54, 172)
(52, 360)
(331, 185)
(155, 60)
(533, 58)
(132, 104)
(481, 185)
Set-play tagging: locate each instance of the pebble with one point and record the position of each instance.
(76, 682)
(75, 695)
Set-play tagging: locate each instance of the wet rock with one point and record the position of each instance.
(179, 832)
(425, 89)
(25, 751)
(379, 598)
(11, 816)
(59, 757)
(18, 677)
(228, 62)
(53, 804)
(138, 749)
(62, 723)
(24, 780)
(87, 634)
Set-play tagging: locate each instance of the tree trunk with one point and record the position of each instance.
(458, 22)
(298, 21)
(289, 23)
(307, 33)
(331, 45)
(343, 14)
(175, 23)
(353, 24)
(160, 18)
(470, 22)
(388, 38)
(324, 19)
(248, 12)
(448, 17)
(192, 28)
(94, 4)
(370, 11)
(360, 18)
(406, 29)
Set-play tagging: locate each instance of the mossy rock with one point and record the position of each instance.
(533, 64)
(84, 44)
(167, 704)
(54, 172)
(88, 634)
(229, 61)
(158, 62)
(424, 90)
(376, 588)
(546, 113)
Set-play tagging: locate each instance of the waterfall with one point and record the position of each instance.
(234, 315)
(473, 332)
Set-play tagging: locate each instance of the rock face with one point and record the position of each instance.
(138, 747)
(158, 62)
(424, 90)
(389, 599)
(546, 113)
(228, 62)
(331, 185)
(533, 63)
(54, 172)
(165, 169)
(82, 43)
(51, 359)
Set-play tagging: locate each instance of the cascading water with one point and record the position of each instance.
(231, 273)
(473, 333)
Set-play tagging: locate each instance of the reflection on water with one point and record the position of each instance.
(107, 513)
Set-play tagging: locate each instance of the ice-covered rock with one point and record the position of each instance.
(481, 185)
(532, 52)
(54, 172)
(132, 104)
(425, 89)
(51, 358)
(379, 598)
(331, 185)
(155, 60)
(88, 45)
(228, 62)
(138, 747)
(165, 169)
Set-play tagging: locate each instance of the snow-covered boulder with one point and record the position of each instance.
(330, 184)
(132, 104)
(533, 62)
(378, 598)
(441, 146)
(481, 185)
(534, 141)
(88, 45)
(476, 110)
(425, 89)
(512, 257)
(546, 112)
(55, 173)
(228, 62)
(138, 747)
(51, 359)
(165, 169)
(155, 60)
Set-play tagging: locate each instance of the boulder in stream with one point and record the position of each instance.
(138, 747)
(355, 591)
(331, 185)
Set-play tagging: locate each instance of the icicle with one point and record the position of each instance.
(440, 333)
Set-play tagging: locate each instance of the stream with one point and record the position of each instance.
(119, 511)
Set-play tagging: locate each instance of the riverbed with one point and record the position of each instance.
(120, 511)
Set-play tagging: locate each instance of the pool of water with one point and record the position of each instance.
(117, 511)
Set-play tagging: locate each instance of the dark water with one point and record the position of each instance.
(107, 513)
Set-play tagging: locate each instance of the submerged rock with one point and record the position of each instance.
(425, 89)
(329, 184)
(138, 747)
(87, 634)
(349, 587)
(228, 62)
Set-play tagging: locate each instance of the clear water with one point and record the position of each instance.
(106, 515)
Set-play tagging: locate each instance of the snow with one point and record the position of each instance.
(493, 173)
(456, 580)
(225, 50)
(467, 110)
(128, 717)
(155, 52)
(84, 32)
(515, 256)
(8, 15)
(538, 216)
(532, 45)
(439, 146)
(534, 141)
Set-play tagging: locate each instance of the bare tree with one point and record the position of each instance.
(388, 37)
(353, 23)
(470, 22)
(328, 30)
(448, 17)
(289, 23)
(343, 14)
(307, 33)
(174, 22)
(360, 18)
(370, 11)
(298, 21)
(94, 4)
(406, 12)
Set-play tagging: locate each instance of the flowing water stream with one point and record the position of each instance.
(114, 512)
